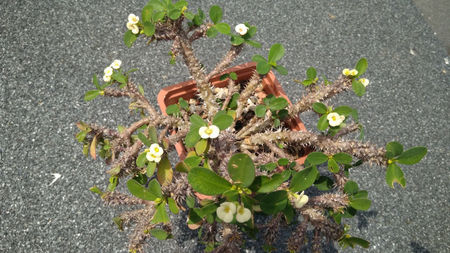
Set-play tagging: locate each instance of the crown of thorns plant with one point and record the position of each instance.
(241, 156)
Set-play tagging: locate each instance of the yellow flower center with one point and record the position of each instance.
(241, 210)
(333, 118)
(227, 209)
(208, 131)
(156, 149)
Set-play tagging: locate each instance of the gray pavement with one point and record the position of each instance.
(50, 49)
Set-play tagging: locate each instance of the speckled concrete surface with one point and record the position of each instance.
(50, 49)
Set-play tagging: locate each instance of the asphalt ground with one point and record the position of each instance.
(50, 49)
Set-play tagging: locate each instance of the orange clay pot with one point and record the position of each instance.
(187, 90)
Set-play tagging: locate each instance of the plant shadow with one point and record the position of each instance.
(417, 248)
(363, 218)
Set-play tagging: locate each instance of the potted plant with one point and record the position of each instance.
(238, 140)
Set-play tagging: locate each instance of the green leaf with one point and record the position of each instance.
(283, 161)
(119, 77)
(172, 109)
(113, 182)
(222, 120)
(394, 174)
(311, 73)
(358, 88)
(361, 204)
(147, 13)
(333, 166)
(278, 104)
(360, 195)
(160, 214)
(151, 167)
(281, 70)
(263, 68)
(343, 158)
(274, 202)
(173, 206)
(183, 104)
(174, 13)
(236, 40)
(95, 81)
(140, 191)
(352, 241)
(361, 66)
(319, 108)
(201, 146)
(190, 201)
(165, 172)
(316, 158)
(234, 77)
(91, 94)
(155, 188)
(253, 43)
(144, 139)
(393, 149)
(158, 16)
(412, 155)
(192, 137)
(276, 53)
(258, 58)
(351, 187)
(223, 28)
(343, 110)
(159, 234)
(197, 121)
(141, 160)
(241, 169)
(260, 111)
(141, 90)
(322, 124)
(189, 15)
(276, 123)
(303, 179)
(149, 29)
(212, 32)
(97, 190)
(215, 13)
(233, 102)
(323, 183)
(129, 38)
(271, 184)
(207, 182)
(269, 166)
(156, 5)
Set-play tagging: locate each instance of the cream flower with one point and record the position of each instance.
(243, 214)
(108, 71)
(133, 19)
(151, 157)
(106, 78)
(364, 81)
(334, 119)
(116, 64)
(156, 149)
(348, 72)
(226, 211)
(134, 29)
(211, 131)
(301, 200)
(130, 26)
(241, 29)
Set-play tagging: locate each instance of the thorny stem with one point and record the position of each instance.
(321, 93)
(231, 88)
(252, 85)
(229, 57)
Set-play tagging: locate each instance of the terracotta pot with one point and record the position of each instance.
(187, 90)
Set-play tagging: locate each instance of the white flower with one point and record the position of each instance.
(348, 72)
(106, 78)
(243, 214)
(334, 119)
(116, 64)
(108, 71)
(301, 200)
(133, 19)
(152, 157)
(211, 131)
(364, 81)
(241, 29)
(134, 29)
(226, 211)
(156, 149)
(130, 26)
